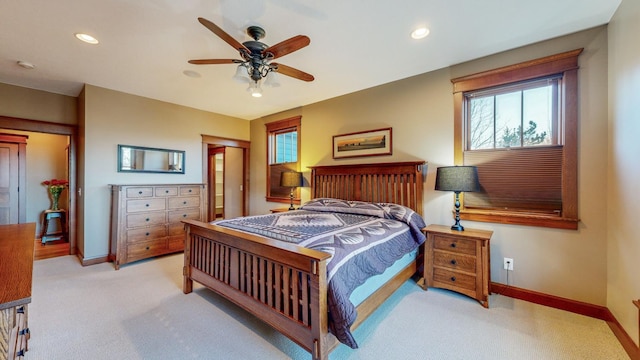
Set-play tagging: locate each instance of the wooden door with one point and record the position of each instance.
(13, 209)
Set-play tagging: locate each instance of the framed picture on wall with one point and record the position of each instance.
(364, 143)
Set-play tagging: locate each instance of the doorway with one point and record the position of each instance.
(226, 172)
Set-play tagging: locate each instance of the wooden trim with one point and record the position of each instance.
(94, 261)
(20, 124)
(578, 307)
(545, 66)
(245, 146)
(272, 128)
(513, 218)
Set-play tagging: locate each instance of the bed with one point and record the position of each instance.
(285, 285)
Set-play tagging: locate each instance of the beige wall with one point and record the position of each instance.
(20, 102)
(111, 118)
(623, 283)
(564, 263)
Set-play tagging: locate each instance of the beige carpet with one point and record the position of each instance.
(140, 312)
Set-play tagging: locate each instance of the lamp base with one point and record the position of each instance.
(457, 227)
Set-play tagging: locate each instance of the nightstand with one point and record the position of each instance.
(458, 261)
(279, 210)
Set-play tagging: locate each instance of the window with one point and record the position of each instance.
(283, 151)
(518, 125)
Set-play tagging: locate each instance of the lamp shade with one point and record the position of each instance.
(290, 179)
(457, 178)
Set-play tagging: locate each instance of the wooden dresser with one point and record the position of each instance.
(146, 219)
(458, 261)
(16, 272)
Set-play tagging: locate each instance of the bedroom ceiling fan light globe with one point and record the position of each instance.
(255, 89)
(420, 33)
(241, 75)
(272, 79)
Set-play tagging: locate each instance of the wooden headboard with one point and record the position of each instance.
(400, 183)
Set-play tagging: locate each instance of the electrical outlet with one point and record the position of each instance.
(508, 264)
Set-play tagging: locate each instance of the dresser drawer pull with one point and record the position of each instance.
(184, 203)
(147, 248)
(166, 191)
(147, 205)
(147, 219)
(190, 190)
(453, 262)
(453, 245)
(146, 234)
(139, 192)
(453, 278)
(184, 215)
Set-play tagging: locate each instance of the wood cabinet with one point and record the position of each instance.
(146, 219)
(458, 261)
(16, 272)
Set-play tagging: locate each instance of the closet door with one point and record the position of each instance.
(233, 182)
(12, 179)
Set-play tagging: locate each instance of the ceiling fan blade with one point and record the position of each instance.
(294, 73)
(212, 61)
(288, 46)
(222, 34)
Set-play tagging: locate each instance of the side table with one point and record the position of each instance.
(458, 261)
(61, 232)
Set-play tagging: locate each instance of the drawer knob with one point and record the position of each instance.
(147, 248)
(139, 192)
(453, 245)
(453, 278)
(166, 191)
(147, 219)
(453, 262)
(184, 215)
(184, 203)
(147, 205)
(190, 190)
(147, 234)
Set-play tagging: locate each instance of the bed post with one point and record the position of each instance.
(187, 283)
(319, 312)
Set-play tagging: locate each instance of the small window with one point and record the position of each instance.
(283, 149)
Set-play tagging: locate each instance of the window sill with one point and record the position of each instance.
(529, 219)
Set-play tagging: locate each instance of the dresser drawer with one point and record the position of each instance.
(176, 216)
(146, 219)
(146, 249)
(166, 191)
(189, 190)
(452, 279)
(146, 234)
(454, 261)
(176, 243)
(138, 192)
(463, 246)
(145, 205)
(184, 202)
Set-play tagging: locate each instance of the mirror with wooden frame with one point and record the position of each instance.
(150, 160)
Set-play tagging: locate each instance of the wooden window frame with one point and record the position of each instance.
(274, 128)
(564, 64)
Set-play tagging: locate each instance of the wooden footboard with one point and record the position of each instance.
(282, 284)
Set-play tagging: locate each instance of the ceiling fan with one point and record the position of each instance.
(257, 56)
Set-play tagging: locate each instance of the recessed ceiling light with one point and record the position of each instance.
(86, 38)
(191, 73)
(26, 65)
(420, 33)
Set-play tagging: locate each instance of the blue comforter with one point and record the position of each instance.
(362, 238)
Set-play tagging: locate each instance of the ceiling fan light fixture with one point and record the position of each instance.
(420, 33)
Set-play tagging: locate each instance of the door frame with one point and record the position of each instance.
(11, 123)
(221, 141)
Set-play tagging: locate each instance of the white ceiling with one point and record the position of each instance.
(355, 44)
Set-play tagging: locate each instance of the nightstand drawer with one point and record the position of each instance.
(454, 279)
(454, 261)
(463, 246)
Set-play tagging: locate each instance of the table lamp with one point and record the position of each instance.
(291, 179)
(457, 179)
